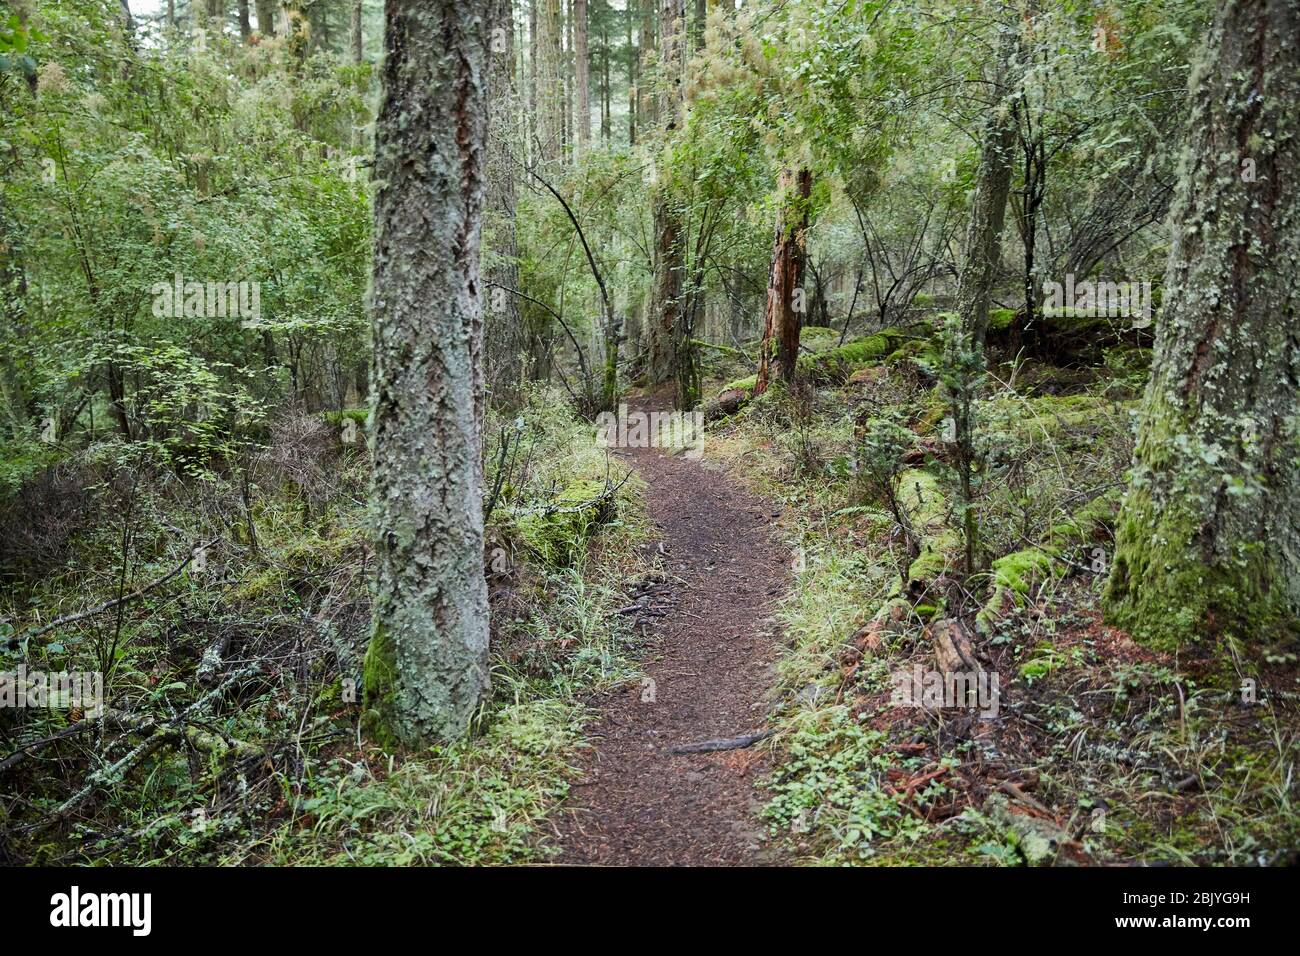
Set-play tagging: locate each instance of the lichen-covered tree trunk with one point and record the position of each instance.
(506, 336)
(1209, 536)
(783, 320)
(426, 669)
(669, 267)
(989, 207)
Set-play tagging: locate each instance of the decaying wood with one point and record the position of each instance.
(726, 743)
(952, 648)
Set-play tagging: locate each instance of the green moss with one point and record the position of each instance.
(380, 680)
(557, 535)
(837, 364)
(1000, 319)
(1014, 575)
(745, 385)
(818, 338)
(922, 352)
(359, 415)
(1163, 593)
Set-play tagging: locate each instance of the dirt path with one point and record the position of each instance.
(710, 660)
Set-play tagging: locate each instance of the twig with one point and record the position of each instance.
(726, 743)
(109, 605)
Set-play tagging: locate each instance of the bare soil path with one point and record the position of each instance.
(709, 658)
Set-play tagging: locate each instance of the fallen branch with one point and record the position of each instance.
(109, 605)
(726, 743)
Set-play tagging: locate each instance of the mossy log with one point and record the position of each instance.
(1015, 575)
(830, 367)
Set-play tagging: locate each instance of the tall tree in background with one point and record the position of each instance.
(783, 320)
(356, 39)
(1209, 535)
(548, 55)
(505, 328)
(979, 271)
(245, 22)
(633, 72)
(426, 669)
(582, 73)
(265, 17)
(669, 265)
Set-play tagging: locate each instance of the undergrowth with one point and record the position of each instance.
(243, 667)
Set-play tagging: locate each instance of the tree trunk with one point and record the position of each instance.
(245, 23)
(426, 669)
(505, 331)
(356, 40)
(783, 320)
(265, 17)
(989, 208)
(582, 73)
(550, 86)
(633, 61)
(214, 10)
(13, 309)
(669, 242)
(1209, 537)
(645, 111)
(294, 27)
(605, 127)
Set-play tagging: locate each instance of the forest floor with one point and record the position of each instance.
(707, 676)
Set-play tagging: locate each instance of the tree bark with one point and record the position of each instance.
(669, 242)
(426, 669)
(989, 208)
(582, 74)
(550, 86)
(265, 10)
(505, 325)
(783, 319)
(356, 40)
(1208, 543)
(245, 23)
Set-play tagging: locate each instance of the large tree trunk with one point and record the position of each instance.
(645, 110)
(1209, 536)
(550, 85)
(783, 320)
(665, 323)
(582, 73)
(426, 670)
(356, 39)
(989, 208)
(505, 331)
(633, 62)
(605, 128)
(265, 17)
(245, 22)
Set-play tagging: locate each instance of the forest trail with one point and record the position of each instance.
(710, 659)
